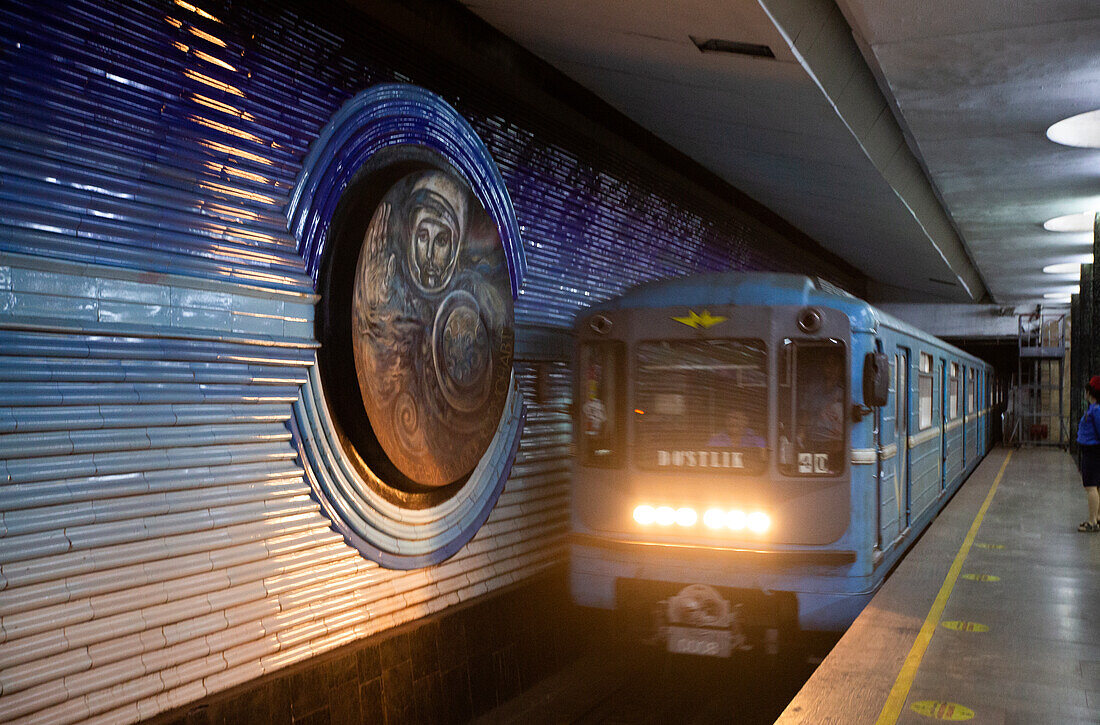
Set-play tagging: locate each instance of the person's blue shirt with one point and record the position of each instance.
(1088, 430)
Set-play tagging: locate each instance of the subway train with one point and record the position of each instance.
(755, 452)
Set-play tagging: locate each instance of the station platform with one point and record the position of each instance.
(993, 617)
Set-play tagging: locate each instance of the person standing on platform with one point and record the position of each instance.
(1088, 439)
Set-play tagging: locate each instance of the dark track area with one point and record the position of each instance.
(616, 683)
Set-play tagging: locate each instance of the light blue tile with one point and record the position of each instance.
(259, 325)
(205, 299)
(120, 290)
(298, 329)
(298, 312)
(138, 314)
(52, 283)
(26, 304)
(5, 278)
(259, 305)
(7, 301)
(207, 319)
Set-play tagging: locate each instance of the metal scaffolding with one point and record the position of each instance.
(1037, 398)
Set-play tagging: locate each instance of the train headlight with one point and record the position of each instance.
(686, 517)
(714, 518)
(759, 522)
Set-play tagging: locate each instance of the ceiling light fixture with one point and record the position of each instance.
(1082, 130)
(1067, 267)
(1057, 297)
(1081, 222)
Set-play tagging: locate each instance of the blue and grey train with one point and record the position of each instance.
(755, 452)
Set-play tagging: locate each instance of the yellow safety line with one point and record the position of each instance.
(891, 711)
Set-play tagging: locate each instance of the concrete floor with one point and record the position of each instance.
(1027, 595)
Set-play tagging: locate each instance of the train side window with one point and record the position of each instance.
(953, 387)
(970, 390)
(600, 403)
(924, 385)
(813, 395)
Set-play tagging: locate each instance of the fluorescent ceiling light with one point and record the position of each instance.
(1082, 130)
(1081, 222)
(1067, 267)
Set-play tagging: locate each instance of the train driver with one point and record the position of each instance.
(737, 433)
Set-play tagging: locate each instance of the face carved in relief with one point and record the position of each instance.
(432, 329)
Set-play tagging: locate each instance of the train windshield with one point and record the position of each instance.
(701, 405)
(812, 407)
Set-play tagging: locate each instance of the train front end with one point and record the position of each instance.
(712, 490)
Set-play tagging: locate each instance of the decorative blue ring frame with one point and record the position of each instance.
(393, 114)
(382, 117)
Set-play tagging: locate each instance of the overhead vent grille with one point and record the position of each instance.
(716, 45)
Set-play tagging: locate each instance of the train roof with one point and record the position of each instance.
(757, 288)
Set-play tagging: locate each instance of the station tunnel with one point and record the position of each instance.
(356, 359)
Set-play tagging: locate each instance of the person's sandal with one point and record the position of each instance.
(1089, 528)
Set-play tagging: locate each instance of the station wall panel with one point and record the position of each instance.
(158, 539)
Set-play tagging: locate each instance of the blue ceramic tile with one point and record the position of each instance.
(207, 319)
(118, 290)
(51, 283)
(26, 304)
(136, 314)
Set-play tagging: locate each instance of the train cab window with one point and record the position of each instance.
(924, 389)
(970, 391)
(600, 403)
(953, 388)
(813, 395)
(701, 405)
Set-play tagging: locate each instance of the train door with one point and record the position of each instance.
(943, 423)
(965, 382)
(901, 420)
(979, 389)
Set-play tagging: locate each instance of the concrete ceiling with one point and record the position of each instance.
(908, 138)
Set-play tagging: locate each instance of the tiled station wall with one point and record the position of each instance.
(159, 543)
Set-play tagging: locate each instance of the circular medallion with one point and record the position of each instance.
(410, 421)
(432, 327)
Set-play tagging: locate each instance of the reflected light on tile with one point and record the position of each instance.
(216, 61)
(252, 196)
(196, 76)
(225, 129)
(223, 107)
(233, 151)
(198, 11)
(207, 37)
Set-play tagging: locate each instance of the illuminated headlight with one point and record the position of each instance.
(714, 518)
(759, 522)
(666, 515)
(686, 517)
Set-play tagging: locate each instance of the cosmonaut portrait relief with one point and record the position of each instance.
(432, 327)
